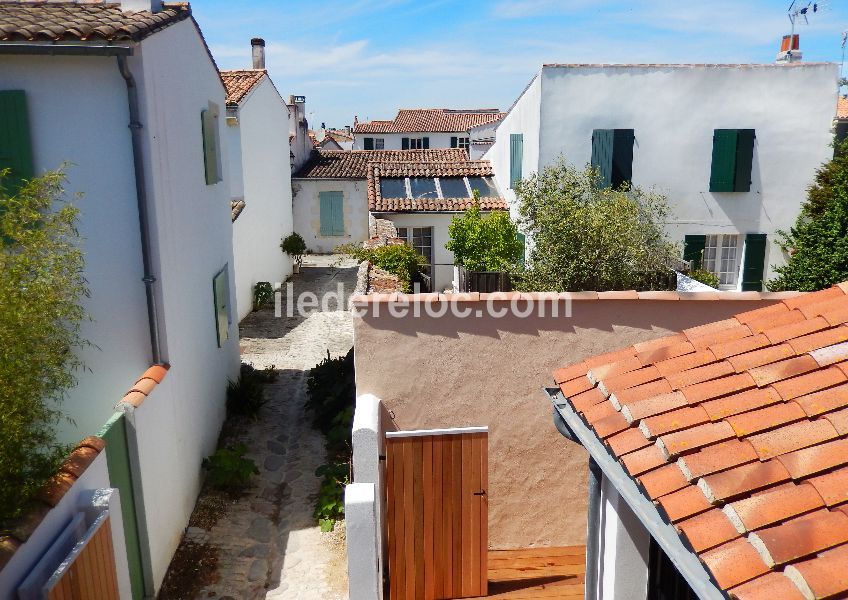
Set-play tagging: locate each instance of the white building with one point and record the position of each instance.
(260, 178)
(422, 128)
(420, 191)
(137, 114)
(301, 139)
(734, 147)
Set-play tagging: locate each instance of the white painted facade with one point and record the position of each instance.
(191, 241)
(674, 110)
(307, 211)
(259, 150)
(299, 140)
(393, 141)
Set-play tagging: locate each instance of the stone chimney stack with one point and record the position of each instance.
(152, 6)
(258, 49)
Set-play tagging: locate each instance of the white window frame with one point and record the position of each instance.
(416, 143)
(408, 236)
(723, 258)
(379, 143)
(463, 142)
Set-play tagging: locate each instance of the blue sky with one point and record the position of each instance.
(371, 57)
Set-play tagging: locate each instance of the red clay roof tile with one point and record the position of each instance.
(702, 342)
(773, 506)
(662, 481)
(619, 367)
(815, 459)
(684, 503)
(762, 325)
(643, 460)
(667, 340)
(685, 361)
(156, 372)
(783, 370)
(820, 339)
(691, 439)
(708, 328)
(766, 312)
(830, 305)
(739, 403)
(665, 352)
(832, 487)
(742, 480)
(575, 386)
(610, 425)
(824, 401)
(700, 374)
(718, 457)
(734, 563)
(681, 418)
(640, 392)
(830, 354)
(708, 530)
(571, 372)
(609, 357)
(800, 537)
(796, 329)
(771, 585)
(629, 440)
(802, 385)
(824, 576)
(717, 388)
(654, 405)
(78, 460)
(629, 380)
(758, 358)
(599, 411)
(792, 437)
(837, 315)
(740, 346)
(763, 419)
(584, 400)
(838, 419)
(814, 297)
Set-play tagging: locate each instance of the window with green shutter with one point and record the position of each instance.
(516, 158)
(15, 143)
(612, 156)
(733, 159)
(754, 262)
(332, 213)
(211, 144)
(454, 141)
(426, 143)
(693, 249)
(369, 143)
(221, 296)
(404, 143)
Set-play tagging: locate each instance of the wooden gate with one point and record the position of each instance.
(437, 513)
(89, 571)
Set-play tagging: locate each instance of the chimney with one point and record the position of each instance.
(258, 49)
(152, 6)
(790, 49)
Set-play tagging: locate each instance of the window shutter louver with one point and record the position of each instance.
(369, 143)
(325, 210)
(454, 142)
(723, 172)
(426, 143)
(744, 160)
(338, 213)
(15, 142)
(331, 213)
(693, 249)
(602, 152)
(754, 262)
(622, 157)
(404, 143)
(516, 158)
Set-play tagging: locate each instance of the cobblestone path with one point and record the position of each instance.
(268, 543)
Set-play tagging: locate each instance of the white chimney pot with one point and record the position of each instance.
(258, 51)
(141, 5)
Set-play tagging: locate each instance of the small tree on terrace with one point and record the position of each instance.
(587, 237)
(818, 243)
(484, 243)
(41, 285)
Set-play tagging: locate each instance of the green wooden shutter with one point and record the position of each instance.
(602, 150)
(693, 249)
(516, 158)
(369, 143)
(426, 143)
(454, 142)
(211, 147)
(337, 201)
(744, 160)
(404, 143)
(755, 262)
(15, 142)
(723, 173)
(221, 293)
(523, 240)
(326, 211)
(622, 157)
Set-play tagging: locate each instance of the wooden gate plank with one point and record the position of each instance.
(428, 492)
(467, 498)
(456, 514)
(409, 519)
(484, 515)
(438, 553)
(418, 512)
(474, 524)
(391, 529)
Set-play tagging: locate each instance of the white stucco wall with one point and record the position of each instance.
(307, 211)
(259, 160)
(442, 271)
(86, 126)
(624, 549)
(392, 141)
(523, 118)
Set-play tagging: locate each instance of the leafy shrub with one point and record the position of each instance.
(398, 259)
(706, 277)
(330, 505)
(41, 285)
(245, 395)
(294, 246)
(263, 294)
(229, 469)
(487, 243)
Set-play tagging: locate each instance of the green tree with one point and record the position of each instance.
(41, 286)
(484, 243)
(586, 237)
(818, 242)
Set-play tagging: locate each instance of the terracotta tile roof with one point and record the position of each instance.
(842, 108)
(460, 168)
(239, 83)
(37, 21)
(738, 431)
(353, 164)
(237, 206)
(431, 120)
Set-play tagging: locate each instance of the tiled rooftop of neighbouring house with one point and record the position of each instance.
(738, 431)
(38, 21)
(238, 83)
(353, 164)
(842, 108)
(431, 120)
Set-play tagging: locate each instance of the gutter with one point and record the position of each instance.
(65, 49)
(685, 561)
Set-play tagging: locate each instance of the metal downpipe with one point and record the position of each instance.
(593, 541)
(143, 214)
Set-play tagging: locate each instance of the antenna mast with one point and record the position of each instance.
(797, 9)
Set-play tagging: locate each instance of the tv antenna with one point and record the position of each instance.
(798, 9)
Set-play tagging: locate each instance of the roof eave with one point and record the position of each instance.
(68, 49)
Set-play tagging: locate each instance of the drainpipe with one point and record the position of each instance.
(143, 215)
(593, 541)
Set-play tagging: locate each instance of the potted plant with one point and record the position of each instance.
(294, 246)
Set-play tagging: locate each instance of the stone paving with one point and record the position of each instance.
(269, 545)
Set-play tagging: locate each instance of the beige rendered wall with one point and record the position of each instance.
(454, 372)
